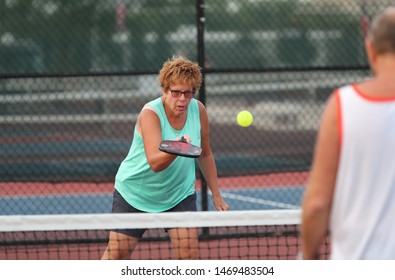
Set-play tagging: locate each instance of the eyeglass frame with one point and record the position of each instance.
(179, 92)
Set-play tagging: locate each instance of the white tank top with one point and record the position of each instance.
(363, 210)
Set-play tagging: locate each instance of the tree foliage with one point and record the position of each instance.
(84, 36)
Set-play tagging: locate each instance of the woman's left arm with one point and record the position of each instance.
(207, 163)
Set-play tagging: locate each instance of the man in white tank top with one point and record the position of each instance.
(351, 189)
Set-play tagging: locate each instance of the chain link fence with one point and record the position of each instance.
(75, 74)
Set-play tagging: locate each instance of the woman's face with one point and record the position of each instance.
(177, 97)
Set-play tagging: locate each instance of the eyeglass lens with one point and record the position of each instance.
(177, 93)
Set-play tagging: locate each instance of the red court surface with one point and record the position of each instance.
(45, 188)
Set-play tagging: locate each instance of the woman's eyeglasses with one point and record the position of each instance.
(177, 93)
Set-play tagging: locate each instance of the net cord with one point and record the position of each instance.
(148, 220)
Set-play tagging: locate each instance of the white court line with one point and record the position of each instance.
(260, 201)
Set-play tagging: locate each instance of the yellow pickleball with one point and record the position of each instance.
(244, 118)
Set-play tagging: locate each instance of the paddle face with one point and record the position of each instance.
(180, 148)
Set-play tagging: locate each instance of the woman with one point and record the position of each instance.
(149, 180)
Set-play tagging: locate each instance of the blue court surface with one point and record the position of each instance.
(238, 199)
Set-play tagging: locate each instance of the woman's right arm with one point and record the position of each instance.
(148, 125)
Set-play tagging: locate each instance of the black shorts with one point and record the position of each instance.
(120, 205)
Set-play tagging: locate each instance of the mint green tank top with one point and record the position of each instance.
(151, 191)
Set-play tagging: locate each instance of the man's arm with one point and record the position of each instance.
(318, 196)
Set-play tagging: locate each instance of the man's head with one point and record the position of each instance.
(380, 41)
(382, 32)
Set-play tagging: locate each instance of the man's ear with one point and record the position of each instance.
(371, 53)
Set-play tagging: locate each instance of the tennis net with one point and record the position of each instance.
(232, 235)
